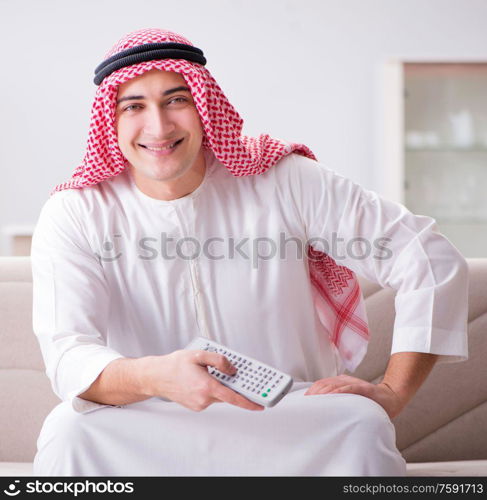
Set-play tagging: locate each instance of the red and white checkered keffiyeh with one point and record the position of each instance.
(336, 291)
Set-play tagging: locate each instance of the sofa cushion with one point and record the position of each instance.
(467, 468)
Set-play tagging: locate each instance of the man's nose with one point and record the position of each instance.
(159, 123)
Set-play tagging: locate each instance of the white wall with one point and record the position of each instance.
(304, 70)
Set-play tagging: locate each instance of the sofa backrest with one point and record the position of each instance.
(26, 395)
(446, 419)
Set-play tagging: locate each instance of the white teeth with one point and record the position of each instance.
(161, 149)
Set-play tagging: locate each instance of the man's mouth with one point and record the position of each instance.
(162, 148)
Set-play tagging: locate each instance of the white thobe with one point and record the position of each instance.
(117, 273)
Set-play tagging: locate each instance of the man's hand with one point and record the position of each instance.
(182, 377)
(345, 384)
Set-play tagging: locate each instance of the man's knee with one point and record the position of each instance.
(363, 416)
(68, 424)
(369, 410)
(60, 437)
(64, 431)
(370, 423)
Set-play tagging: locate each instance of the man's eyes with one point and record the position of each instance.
(174, 101)
(178, 100)
(131, 107)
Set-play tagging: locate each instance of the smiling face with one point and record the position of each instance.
(159, 132)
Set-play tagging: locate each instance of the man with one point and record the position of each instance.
(121, 286)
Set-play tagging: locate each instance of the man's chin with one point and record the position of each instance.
(160, 173)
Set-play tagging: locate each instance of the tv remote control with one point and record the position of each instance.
(255, 380)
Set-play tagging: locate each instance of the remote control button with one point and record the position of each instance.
(264, 394)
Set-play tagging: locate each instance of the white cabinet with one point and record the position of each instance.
(436, 123)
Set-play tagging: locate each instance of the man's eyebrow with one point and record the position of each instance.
(176, 89)
(165, 93)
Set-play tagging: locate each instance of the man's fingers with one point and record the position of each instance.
(345, 388)
(218, 391)
(220, 362)
(317, 387)
(329, 384)
(223, 393)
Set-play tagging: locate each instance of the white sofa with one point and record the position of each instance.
(442, 432)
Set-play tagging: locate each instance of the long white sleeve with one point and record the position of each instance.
(397, 249)
(70, 303)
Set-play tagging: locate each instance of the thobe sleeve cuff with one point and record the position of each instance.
(94, 367)
(450, 346)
